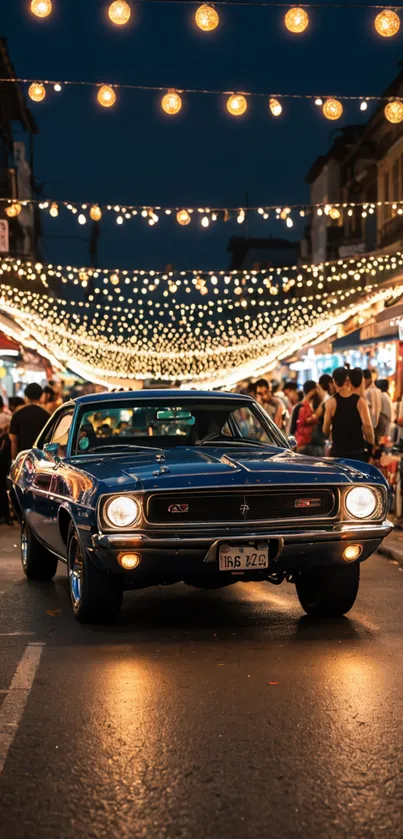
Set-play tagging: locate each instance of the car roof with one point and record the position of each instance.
(159, 394)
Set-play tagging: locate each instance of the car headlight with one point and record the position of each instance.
(121, 511)
(361, 502)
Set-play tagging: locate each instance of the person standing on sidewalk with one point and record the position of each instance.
(347, 417)
(27, 422)
(273, 406)
(374, 399)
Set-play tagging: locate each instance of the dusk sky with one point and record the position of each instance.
(133, 153)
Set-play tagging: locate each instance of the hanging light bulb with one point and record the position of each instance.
(241, 217)
(318, 101)
(41, 8)
(119, 12)
(171, 103)
(387, 23)
(114, 279)
(207, 18)
(57, 87)
(205, 221)
(237, 104)
(13, 210)
(363, 106)
(289, 222)
(394, 111)
(275, 107)
(332, 109)
(334, 213)
(54, 210)
(296, 20)
(106, 96)
(95, 213)
(183, 217)
(37, 92)
(82, 219)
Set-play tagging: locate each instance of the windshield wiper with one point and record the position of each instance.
(126, 446)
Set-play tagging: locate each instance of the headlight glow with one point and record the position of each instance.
(121, 511)
(361, 502)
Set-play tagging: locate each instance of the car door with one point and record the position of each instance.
(44, 486)
(59, 486)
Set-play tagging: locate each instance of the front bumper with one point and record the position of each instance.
(186, 552)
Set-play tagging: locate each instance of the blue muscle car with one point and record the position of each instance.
(154, 487)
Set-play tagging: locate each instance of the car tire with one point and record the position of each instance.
(37, 562)
(328, 592)
(96, 596)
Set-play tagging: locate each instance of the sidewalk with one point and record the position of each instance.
(392, 546)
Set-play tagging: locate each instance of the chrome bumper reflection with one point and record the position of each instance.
(162, 540)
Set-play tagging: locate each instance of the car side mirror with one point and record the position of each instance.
(52, 449)
(292, 442)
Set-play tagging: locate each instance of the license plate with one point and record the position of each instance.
(246, 558)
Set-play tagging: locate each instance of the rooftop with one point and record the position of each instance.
(144, 395)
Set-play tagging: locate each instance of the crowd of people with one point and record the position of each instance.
(346, 414)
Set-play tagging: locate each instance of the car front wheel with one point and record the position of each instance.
(328, 592)
(96, 596)
(37, 562)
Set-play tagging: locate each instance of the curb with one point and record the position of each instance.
(391, 553)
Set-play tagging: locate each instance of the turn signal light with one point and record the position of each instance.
(352, 552)
(129, 561)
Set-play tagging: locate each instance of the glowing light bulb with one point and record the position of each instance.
(394, 111)
(171, 103)
(289, 222)
(319, 101)
(207, 18)
(387, 23)
(237, 104)
(332, 109)
(41, 8)
(57, 87)
(183, 217)
(205, 221)
(106, 96)
(114, 279)
(275, 107)
(363, 106)
(296, 20)
(95, 213)
(334, 213)
(82, 219)
(36, 92)
(241, 217)
(13, 210)
(54, 210)
(119, 12)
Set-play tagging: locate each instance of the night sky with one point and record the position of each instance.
(133, 153)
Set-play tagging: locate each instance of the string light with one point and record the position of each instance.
(119, 12)
(171, 103)
(363, 106)
(106, 96)
(54, 210)
(82, 219)
(275, 107)
(296, 20)
(37, 91)
(394, 111)
(387, 23)
(266, 316)
(183, 217)
(96, 213)
(334, 213)
(57, 87)
(332, 109)
(41, 8)
(205, 221)
(207, 18)
(13, 210)
(237, 104)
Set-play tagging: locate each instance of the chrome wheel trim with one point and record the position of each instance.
(24, 547)
(76, 574)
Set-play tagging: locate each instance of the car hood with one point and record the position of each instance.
(201, 467)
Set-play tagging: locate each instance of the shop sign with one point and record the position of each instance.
(4, 241)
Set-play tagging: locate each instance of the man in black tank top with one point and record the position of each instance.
(347, 416)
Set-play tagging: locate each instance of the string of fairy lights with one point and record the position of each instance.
(296, 19)
(236, 103)
(179, 342)
(236, 288)
(336, 213)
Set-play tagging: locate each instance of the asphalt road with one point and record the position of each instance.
(201, 714)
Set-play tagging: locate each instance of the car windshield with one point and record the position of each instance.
(157, 423)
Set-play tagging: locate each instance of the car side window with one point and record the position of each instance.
(60, 432)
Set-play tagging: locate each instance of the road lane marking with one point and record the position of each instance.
(13, 706)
